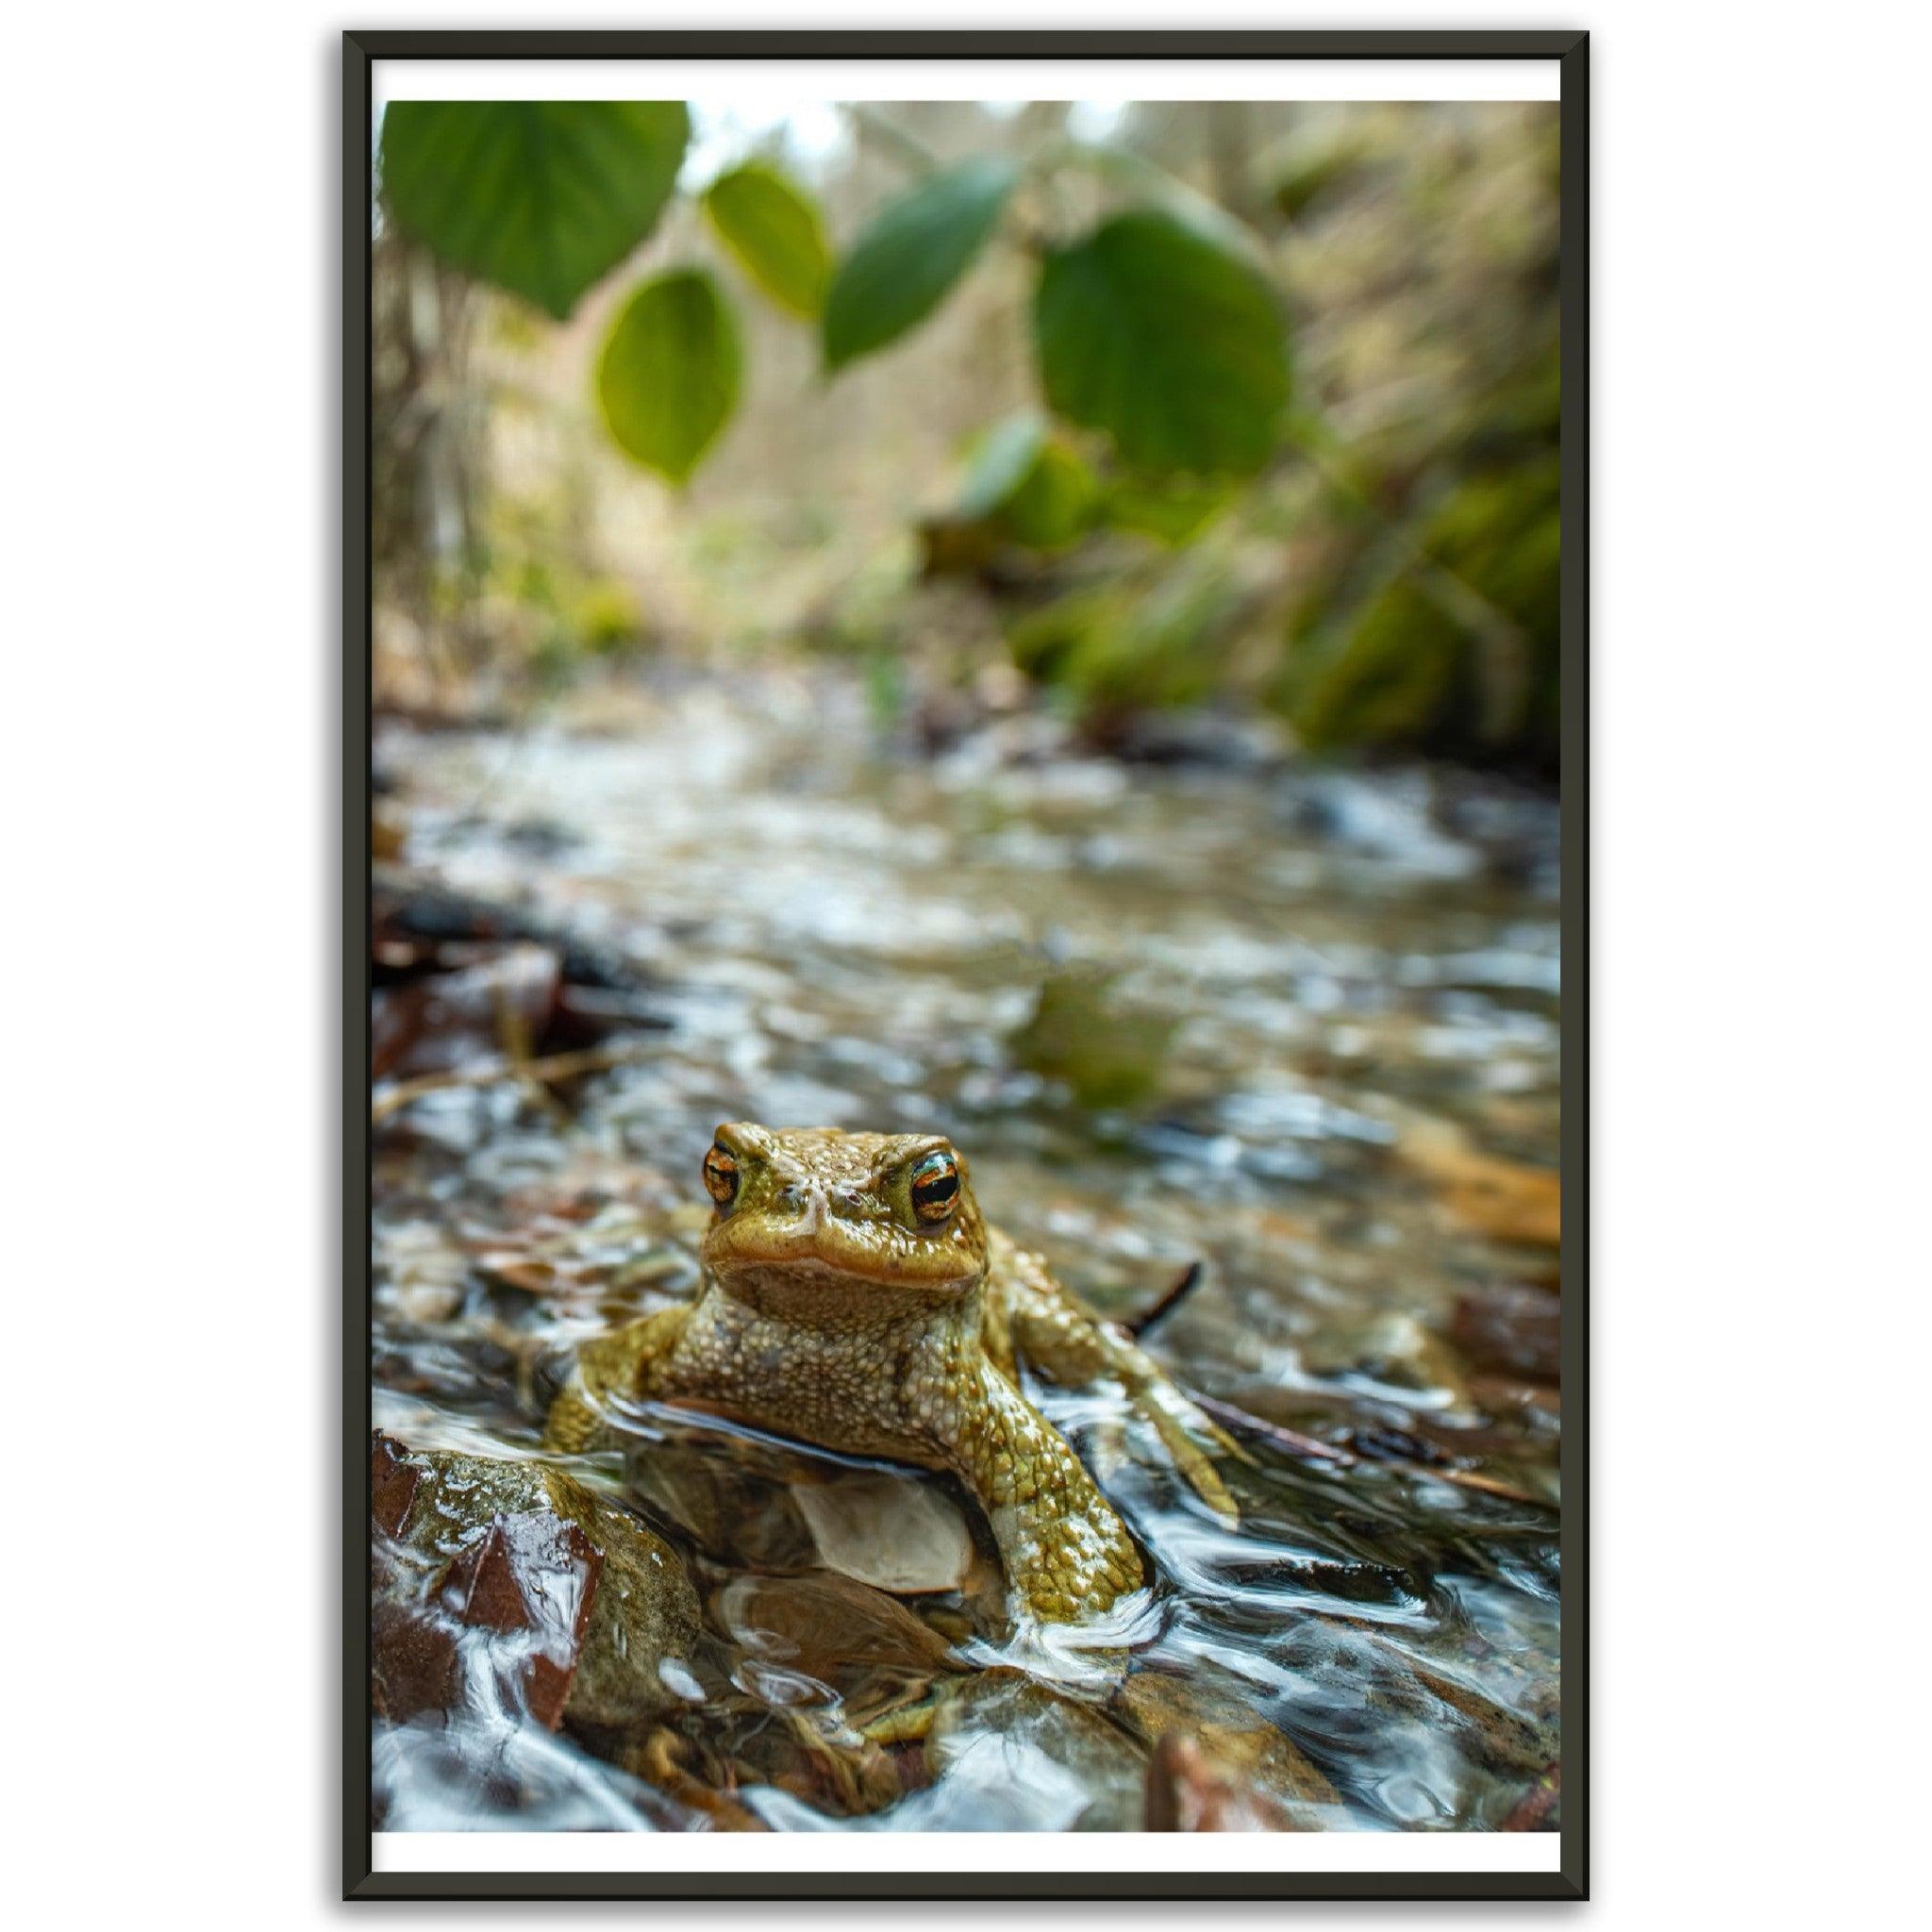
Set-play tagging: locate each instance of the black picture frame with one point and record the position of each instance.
(361, 50)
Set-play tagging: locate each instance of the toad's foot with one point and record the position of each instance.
(1191, 1439)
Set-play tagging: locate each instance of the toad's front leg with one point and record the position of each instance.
(1066, 1554)
(624, 1366)
(1055, 1334)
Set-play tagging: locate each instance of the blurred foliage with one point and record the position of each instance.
(1166, 340)
(542, 198)
(668, 375)
(1382, 658)
(776, 234)
(909, 255)
(1082, 1036)
(1370, 552)
(1149, 641)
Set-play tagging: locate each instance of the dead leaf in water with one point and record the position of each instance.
(1223, 1761)
(895, 1533)
(1187, 1792)
(1536, 1810)
(444, 1020)
(826, 1626)
(1501, 1199)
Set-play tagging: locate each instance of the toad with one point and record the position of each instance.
(853, 1298)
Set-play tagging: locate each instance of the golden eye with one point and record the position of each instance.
(935, 1187)
(720, 1175)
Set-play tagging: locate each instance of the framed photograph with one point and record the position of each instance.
(965, 803)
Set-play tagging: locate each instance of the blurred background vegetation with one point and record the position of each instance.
(1150, 418)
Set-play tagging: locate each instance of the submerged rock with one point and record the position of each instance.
(1107, 1055)
(507, 1587)
(754, 1503)
(1518, 1330)
(736, 1516)
(1216, 1764)
(1007, 1753)
(1503, 1200)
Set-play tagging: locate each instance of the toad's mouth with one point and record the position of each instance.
(826, 1256)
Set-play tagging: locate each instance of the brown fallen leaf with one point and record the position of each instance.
(392, 1484)
(537, 1574)
(389, 832)
(659, 1761)
(554, 1067)
(1502, 1199)
(831, 1627)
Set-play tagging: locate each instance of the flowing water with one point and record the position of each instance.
(1296, 1027)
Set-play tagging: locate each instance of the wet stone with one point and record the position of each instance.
(734, 1516)
(1236, 1765)
(1516, 1329)
(504, 1581)
(1007, 1753)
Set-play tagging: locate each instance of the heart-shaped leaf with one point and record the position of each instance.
(1169, 341)
(668, 378)
(773, 228)
(541, 198)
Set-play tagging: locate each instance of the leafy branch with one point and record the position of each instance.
(1160, 348)
(1152, 331)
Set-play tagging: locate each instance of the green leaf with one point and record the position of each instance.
(1172, 509)
(913, 253)
(1111, 1055)
(1055, 502)
(1026, 485)
(1167, 340)
(541, 198)
(669, 375)
(999, 461)
(773, 230)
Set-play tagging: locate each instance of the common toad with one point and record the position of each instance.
(853, 1298)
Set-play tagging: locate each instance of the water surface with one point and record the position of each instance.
(1296, 1027)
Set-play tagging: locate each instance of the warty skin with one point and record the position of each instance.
(854, 1297)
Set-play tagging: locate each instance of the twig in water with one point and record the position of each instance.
(1289, 1442)
(1185, 1284)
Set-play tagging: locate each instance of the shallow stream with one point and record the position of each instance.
(1276, 1045)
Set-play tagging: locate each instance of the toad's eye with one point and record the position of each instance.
(721, 1176)
(935, 1187)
